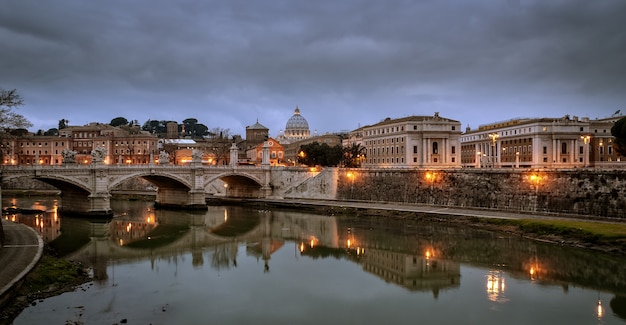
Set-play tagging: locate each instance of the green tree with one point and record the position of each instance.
(52, 131)
(619, 132)
(119, 121)
(63, 123)
(353, 155)
(314, 154)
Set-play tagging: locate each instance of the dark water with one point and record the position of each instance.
(234, 265)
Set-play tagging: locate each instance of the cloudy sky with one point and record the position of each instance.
(344, 63)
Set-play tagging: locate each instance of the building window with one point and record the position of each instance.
(453, 149)
(414, 149)
(435, 148)
(545, 150)
(564, 148)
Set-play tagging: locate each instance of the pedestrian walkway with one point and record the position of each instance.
(20, 253)
(430, 209)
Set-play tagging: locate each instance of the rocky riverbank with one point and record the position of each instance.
(51, 277)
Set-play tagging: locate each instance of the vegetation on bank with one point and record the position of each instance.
(585, 231)
(50, 277)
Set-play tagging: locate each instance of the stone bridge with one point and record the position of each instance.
(86, 189)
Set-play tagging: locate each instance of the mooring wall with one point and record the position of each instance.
(586, 192)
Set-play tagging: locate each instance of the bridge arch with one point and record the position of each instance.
(160, 179)
(237, 184)
(61, 182)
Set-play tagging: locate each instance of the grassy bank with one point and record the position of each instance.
(599, 235)
(50, 277)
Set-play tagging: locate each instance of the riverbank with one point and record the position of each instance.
(585, 232)
(51, 277)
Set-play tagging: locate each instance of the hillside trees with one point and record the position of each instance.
(314, 154)
(619, 132)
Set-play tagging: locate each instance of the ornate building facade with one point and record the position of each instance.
(122, 146)
(414, 141)
(541, 143)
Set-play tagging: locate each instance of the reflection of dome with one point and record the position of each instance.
(297, 127)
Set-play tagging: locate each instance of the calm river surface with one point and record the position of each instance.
(233, 265)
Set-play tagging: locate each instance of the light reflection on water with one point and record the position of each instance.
(238, 266)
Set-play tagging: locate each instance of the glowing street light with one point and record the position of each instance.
(351, 177)
(536, 180)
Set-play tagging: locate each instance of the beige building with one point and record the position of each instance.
(414, 141)
(529, 143)
(602, 153)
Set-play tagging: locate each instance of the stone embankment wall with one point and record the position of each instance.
(579, 192)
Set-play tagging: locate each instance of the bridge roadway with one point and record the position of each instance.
(85, 189)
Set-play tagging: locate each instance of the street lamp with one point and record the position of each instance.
(351, 177)
(536, 179)
(494, 137)
(430, 177)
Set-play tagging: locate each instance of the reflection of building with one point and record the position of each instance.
(126, 232)
(47, 224)
(421, 273)
(415, 141)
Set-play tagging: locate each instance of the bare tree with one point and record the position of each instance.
(218, 143)
(9, 119)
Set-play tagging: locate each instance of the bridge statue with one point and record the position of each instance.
(164, 158)
(98, 154)
(196, 156)
(69, 156)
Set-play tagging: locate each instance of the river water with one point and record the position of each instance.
(235, 265)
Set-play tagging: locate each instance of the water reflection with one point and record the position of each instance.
(414, 256)
(496, 285)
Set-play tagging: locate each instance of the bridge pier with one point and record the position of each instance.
(85, 204)
(180, 198)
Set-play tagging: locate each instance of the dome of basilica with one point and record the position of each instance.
(297, 128)
(297, 122)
